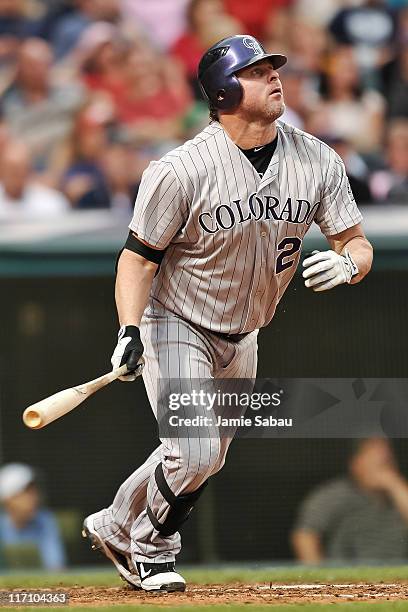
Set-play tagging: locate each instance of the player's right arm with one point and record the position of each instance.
(137, 265)
(133, 283)
(159, 213)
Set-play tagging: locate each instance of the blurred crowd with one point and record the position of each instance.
(29, 532)
(361, 516)
(92, 90)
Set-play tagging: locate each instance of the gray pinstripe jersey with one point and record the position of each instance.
(233, 239)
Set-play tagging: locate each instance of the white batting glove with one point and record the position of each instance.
(327, 269)
(129, 350)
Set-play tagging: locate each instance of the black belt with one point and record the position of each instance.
(230, 337)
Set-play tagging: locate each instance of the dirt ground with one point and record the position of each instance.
(238, 593)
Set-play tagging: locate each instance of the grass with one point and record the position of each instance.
(292, 575)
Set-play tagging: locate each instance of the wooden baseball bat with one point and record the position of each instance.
(45, 411)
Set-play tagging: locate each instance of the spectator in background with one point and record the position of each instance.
(37, 111)
(148, 90)
(396, 4)
(69, 28)
(207, 22)
(96, 172)
(155, 97)
(356, 167)
(24, 520)
(14, 27)
(252, 14)
(370, 30)
(346, 110)
(50, 14)
(100, 55)
(360, 517)
(123, 170)
(4, 136)
(79, 158)
(103, 53)
(300, 95)
(395, 82)
(163, 22)
(300, 38)
(308, 44)
(390, 185)
(21, 197)
(321, 13)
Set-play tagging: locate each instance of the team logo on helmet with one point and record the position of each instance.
(252, 43)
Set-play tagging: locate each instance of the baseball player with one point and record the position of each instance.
(214, 241)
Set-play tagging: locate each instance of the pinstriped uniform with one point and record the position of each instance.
(232, 243)
(225, 279)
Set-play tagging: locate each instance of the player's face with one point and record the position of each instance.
(263, 95)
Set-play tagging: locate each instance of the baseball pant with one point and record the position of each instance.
(174, 349)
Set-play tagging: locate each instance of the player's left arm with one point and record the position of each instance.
(348, 261)
(350, 255)
(355, 242)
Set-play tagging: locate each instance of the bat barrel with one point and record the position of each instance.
(32, 418)
(51, 408)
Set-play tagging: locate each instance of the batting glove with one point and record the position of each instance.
(129, 350)
(327, 269)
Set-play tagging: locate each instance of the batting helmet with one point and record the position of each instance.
(217, 68)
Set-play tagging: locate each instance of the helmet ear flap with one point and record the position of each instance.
(223, 92)
(229, 97)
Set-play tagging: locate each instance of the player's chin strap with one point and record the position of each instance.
(180, 506)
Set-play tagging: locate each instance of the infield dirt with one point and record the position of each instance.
(260, 594)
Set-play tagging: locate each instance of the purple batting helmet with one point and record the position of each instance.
(217, 68)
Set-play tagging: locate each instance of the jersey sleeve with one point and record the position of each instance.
(338, 209)
(161, 206)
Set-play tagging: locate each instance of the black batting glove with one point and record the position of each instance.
(129, 351)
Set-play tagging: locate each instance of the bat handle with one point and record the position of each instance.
(123, 370)
(118, 372)
(93, 385)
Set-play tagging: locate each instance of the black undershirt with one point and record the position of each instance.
(260, 157)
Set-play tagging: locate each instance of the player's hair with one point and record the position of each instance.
(214, 116)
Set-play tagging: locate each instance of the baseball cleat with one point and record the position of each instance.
(122, 563)
(160, 577)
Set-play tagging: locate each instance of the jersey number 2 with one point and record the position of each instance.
(288, 247)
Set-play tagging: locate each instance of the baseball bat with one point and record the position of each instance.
(49, 409)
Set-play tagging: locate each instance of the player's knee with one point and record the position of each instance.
(202, 457)
(179, 505)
